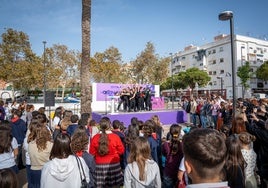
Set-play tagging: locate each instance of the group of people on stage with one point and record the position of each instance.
(135, 99)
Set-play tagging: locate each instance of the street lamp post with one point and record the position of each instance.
(219, 77)
(223, 16)
(45, 72)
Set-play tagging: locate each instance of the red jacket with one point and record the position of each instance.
(116, 148)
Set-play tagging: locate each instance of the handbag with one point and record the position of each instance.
(84, 183)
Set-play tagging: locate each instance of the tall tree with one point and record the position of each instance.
(195, 76)
(106, 67)
(244, 74)
(189, 78)
(144, 64)
(62, 66)
(86, 95)
(159, 71)
(19, 65)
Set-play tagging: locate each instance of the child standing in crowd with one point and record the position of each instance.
(63, 169)
(153, 139)
(204, 153)
(235, 163)
(93, 129)
(39, 148)
(57, 117)
(8, 148)
(107, 147)
(250, 157)
(116, 130)
(18, 131)
(79, 145)
(131, 135)
(173, 153)
(74, 124)
(141, 170)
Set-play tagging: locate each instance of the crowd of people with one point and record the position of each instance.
(72, 150)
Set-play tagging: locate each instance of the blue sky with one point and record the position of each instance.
(129, 24)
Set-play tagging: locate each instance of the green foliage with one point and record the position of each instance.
(142, 66)
(148, 67)
(262, 71)
(19, 65)
(106, 67)
(185, 79)
(243, 72)
(194, 75)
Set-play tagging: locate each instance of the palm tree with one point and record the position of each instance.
(85, 64)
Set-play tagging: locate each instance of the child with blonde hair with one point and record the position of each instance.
(141, 170)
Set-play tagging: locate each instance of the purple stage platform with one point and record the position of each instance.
(166, 117)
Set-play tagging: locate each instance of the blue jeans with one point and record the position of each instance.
(194, 116)
(210, 122)
(203, 121)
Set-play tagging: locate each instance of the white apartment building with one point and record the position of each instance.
(215, 58)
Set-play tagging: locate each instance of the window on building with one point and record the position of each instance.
(214, 72)
(221, 60)
(201, 64)
(221, 71)
(260, 85)
(210, 73)
(214, 83)
(214, 62)
(214, 51)
(193, 56)
(221, 49)
(209, 52)
(183, 57)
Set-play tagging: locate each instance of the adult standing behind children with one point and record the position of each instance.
(205, 152)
